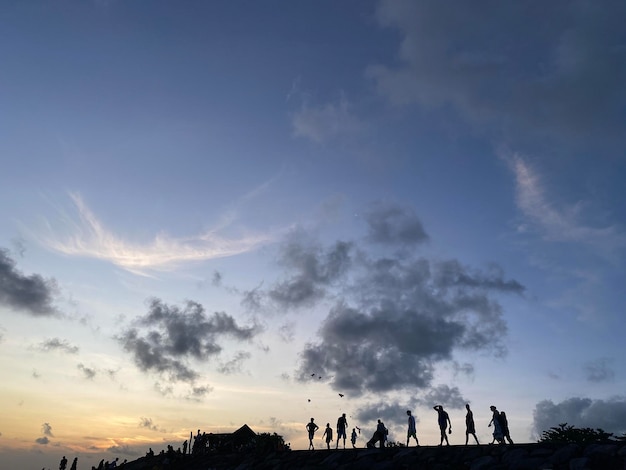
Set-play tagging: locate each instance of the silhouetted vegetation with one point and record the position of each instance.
(566, 433)
(395, 444)
(266, 443)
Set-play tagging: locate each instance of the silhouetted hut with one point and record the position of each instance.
(242, 438)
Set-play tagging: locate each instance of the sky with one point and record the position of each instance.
(228, 212)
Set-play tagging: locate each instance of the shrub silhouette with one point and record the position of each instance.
(565, 433)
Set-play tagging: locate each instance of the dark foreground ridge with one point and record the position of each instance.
(537, 456)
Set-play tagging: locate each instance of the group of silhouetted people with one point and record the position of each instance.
(103, 465)
(498, 420)
(327, 436)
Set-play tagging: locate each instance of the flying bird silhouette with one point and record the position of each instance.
(341, 395)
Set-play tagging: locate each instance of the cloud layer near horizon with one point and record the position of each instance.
(609, 415)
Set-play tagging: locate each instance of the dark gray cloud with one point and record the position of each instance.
(313, 269)
(554, 68)
(46, 430)
(88, 372)
(599, 370)
(30, 294)
(609, 415)
(56, 344)
(389, 223)
(391, 318)
(123, 450)
(448, 397)
(406, 316)
(387, 412)
(42, 440)
(168, 337)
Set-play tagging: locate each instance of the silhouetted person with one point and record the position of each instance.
(328, 432)
(443, 419)
(497, 427)
(379, 436)
(74, 464)
(353, 438)
(504, 424)
(63, 463)
(185, 447)
(470, 427)
(311, 428)
(411, 432)
(342, 424)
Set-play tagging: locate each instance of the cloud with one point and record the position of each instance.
(599, 370)
(387, 412)
(235, 364)
(609, 415)
(42, 440)
(123, 449)
(88, 372)
(197, 393)
(324, 122)
(408, 316)
(149, 424)
(89, 238)
(314, 269)
(46, 430)
(560, 74)
(56, 344)
(560, 224)
(30, 294)
(216, 280)
(448, 397)
(392, 224)
(167, 337)
(393, 319)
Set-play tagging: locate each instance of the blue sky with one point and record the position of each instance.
(204, 203)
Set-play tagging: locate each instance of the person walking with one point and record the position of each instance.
(411, 432)
(470, 427)
(497, 427)
(443, 420)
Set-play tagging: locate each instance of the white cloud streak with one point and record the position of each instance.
(561, 224)
(90, 238)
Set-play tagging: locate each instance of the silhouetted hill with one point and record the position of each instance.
(602, 456)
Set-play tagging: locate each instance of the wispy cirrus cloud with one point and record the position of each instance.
(88, 237)
(563, 224)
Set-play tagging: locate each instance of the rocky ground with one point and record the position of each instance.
(601, 456)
